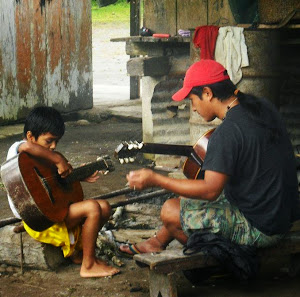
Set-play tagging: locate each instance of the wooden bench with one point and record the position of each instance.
(163, 266)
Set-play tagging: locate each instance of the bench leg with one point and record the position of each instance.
(162, 285)
(294, 266)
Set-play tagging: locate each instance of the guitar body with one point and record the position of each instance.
(39, 194)
(191, 169)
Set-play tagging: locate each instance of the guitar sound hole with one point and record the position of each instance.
(45, 185)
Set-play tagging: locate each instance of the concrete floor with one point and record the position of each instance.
(110, 79)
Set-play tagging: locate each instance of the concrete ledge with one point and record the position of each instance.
(148, 66)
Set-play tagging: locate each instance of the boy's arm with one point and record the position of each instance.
(63, 167)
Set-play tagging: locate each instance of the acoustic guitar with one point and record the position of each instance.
(126, 152)
(39, 194)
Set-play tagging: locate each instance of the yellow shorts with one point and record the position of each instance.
(59, 235)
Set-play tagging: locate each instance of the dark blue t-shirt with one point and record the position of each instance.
(263, 180)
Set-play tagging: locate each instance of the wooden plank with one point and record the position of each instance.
(9, 221)
(151, 39)
(163, 285)
(134, 31)
(274, 11)
(134, 17)
(174, 260)
(160, 16)
(219, 13)
(187, 19)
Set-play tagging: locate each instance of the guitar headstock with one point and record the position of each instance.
(104, 163)
(127, 150)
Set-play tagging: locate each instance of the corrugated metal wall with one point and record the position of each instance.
(290, 83)
(169, 119)
(45, 56)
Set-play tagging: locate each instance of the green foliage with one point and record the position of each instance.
(114, 13)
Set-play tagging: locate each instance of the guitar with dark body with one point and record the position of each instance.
(37, 191)
(192, 166)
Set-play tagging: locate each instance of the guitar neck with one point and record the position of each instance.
(167, 149)
(80, 173)
(172, 149)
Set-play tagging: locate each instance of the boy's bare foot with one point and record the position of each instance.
(151, 245)
(98, 269)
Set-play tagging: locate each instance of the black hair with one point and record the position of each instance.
(258, 112)
(221, 90)
(44, 119)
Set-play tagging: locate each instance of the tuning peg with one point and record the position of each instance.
(131, 159)
(130, 145)
(121, 161)
(139, 144)
(126, 160)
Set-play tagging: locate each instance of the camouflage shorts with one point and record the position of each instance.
(221, 217)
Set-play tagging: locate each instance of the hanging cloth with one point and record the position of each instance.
(205, 39)
(231, 51)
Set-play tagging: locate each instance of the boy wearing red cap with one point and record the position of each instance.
(249, 194)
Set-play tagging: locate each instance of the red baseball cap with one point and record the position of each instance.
(204, 72)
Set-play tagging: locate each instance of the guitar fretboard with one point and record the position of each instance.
(172, 149)
(80, 173)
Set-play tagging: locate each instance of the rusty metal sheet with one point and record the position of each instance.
(45, 56)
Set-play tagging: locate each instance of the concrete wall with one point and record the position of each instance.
(45, 56)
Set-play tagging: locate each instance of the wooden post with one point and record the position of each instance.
(134, 31)
(21, 254)
(163, 285)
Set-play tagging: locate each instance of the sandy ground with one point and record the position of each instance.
(83, 142)
(110, 79)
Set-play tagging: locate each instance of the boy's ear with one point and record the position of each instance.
(29, 136)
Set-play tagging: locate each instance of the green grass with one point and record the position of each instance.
(114, 13)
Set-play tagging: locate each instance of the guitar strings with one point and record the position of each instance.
(74, 171)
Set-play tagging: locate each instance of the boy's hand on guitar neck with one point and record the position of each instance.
(92, 178)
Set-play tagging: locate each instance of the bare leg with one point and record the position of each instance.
(170, 216)
(91, 211)
(105, 211)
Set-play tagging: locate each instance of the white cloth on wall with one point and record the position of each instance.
(231, 51)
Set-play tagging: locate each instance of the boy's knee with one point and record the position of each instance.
(105, 208)
(93, 207)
